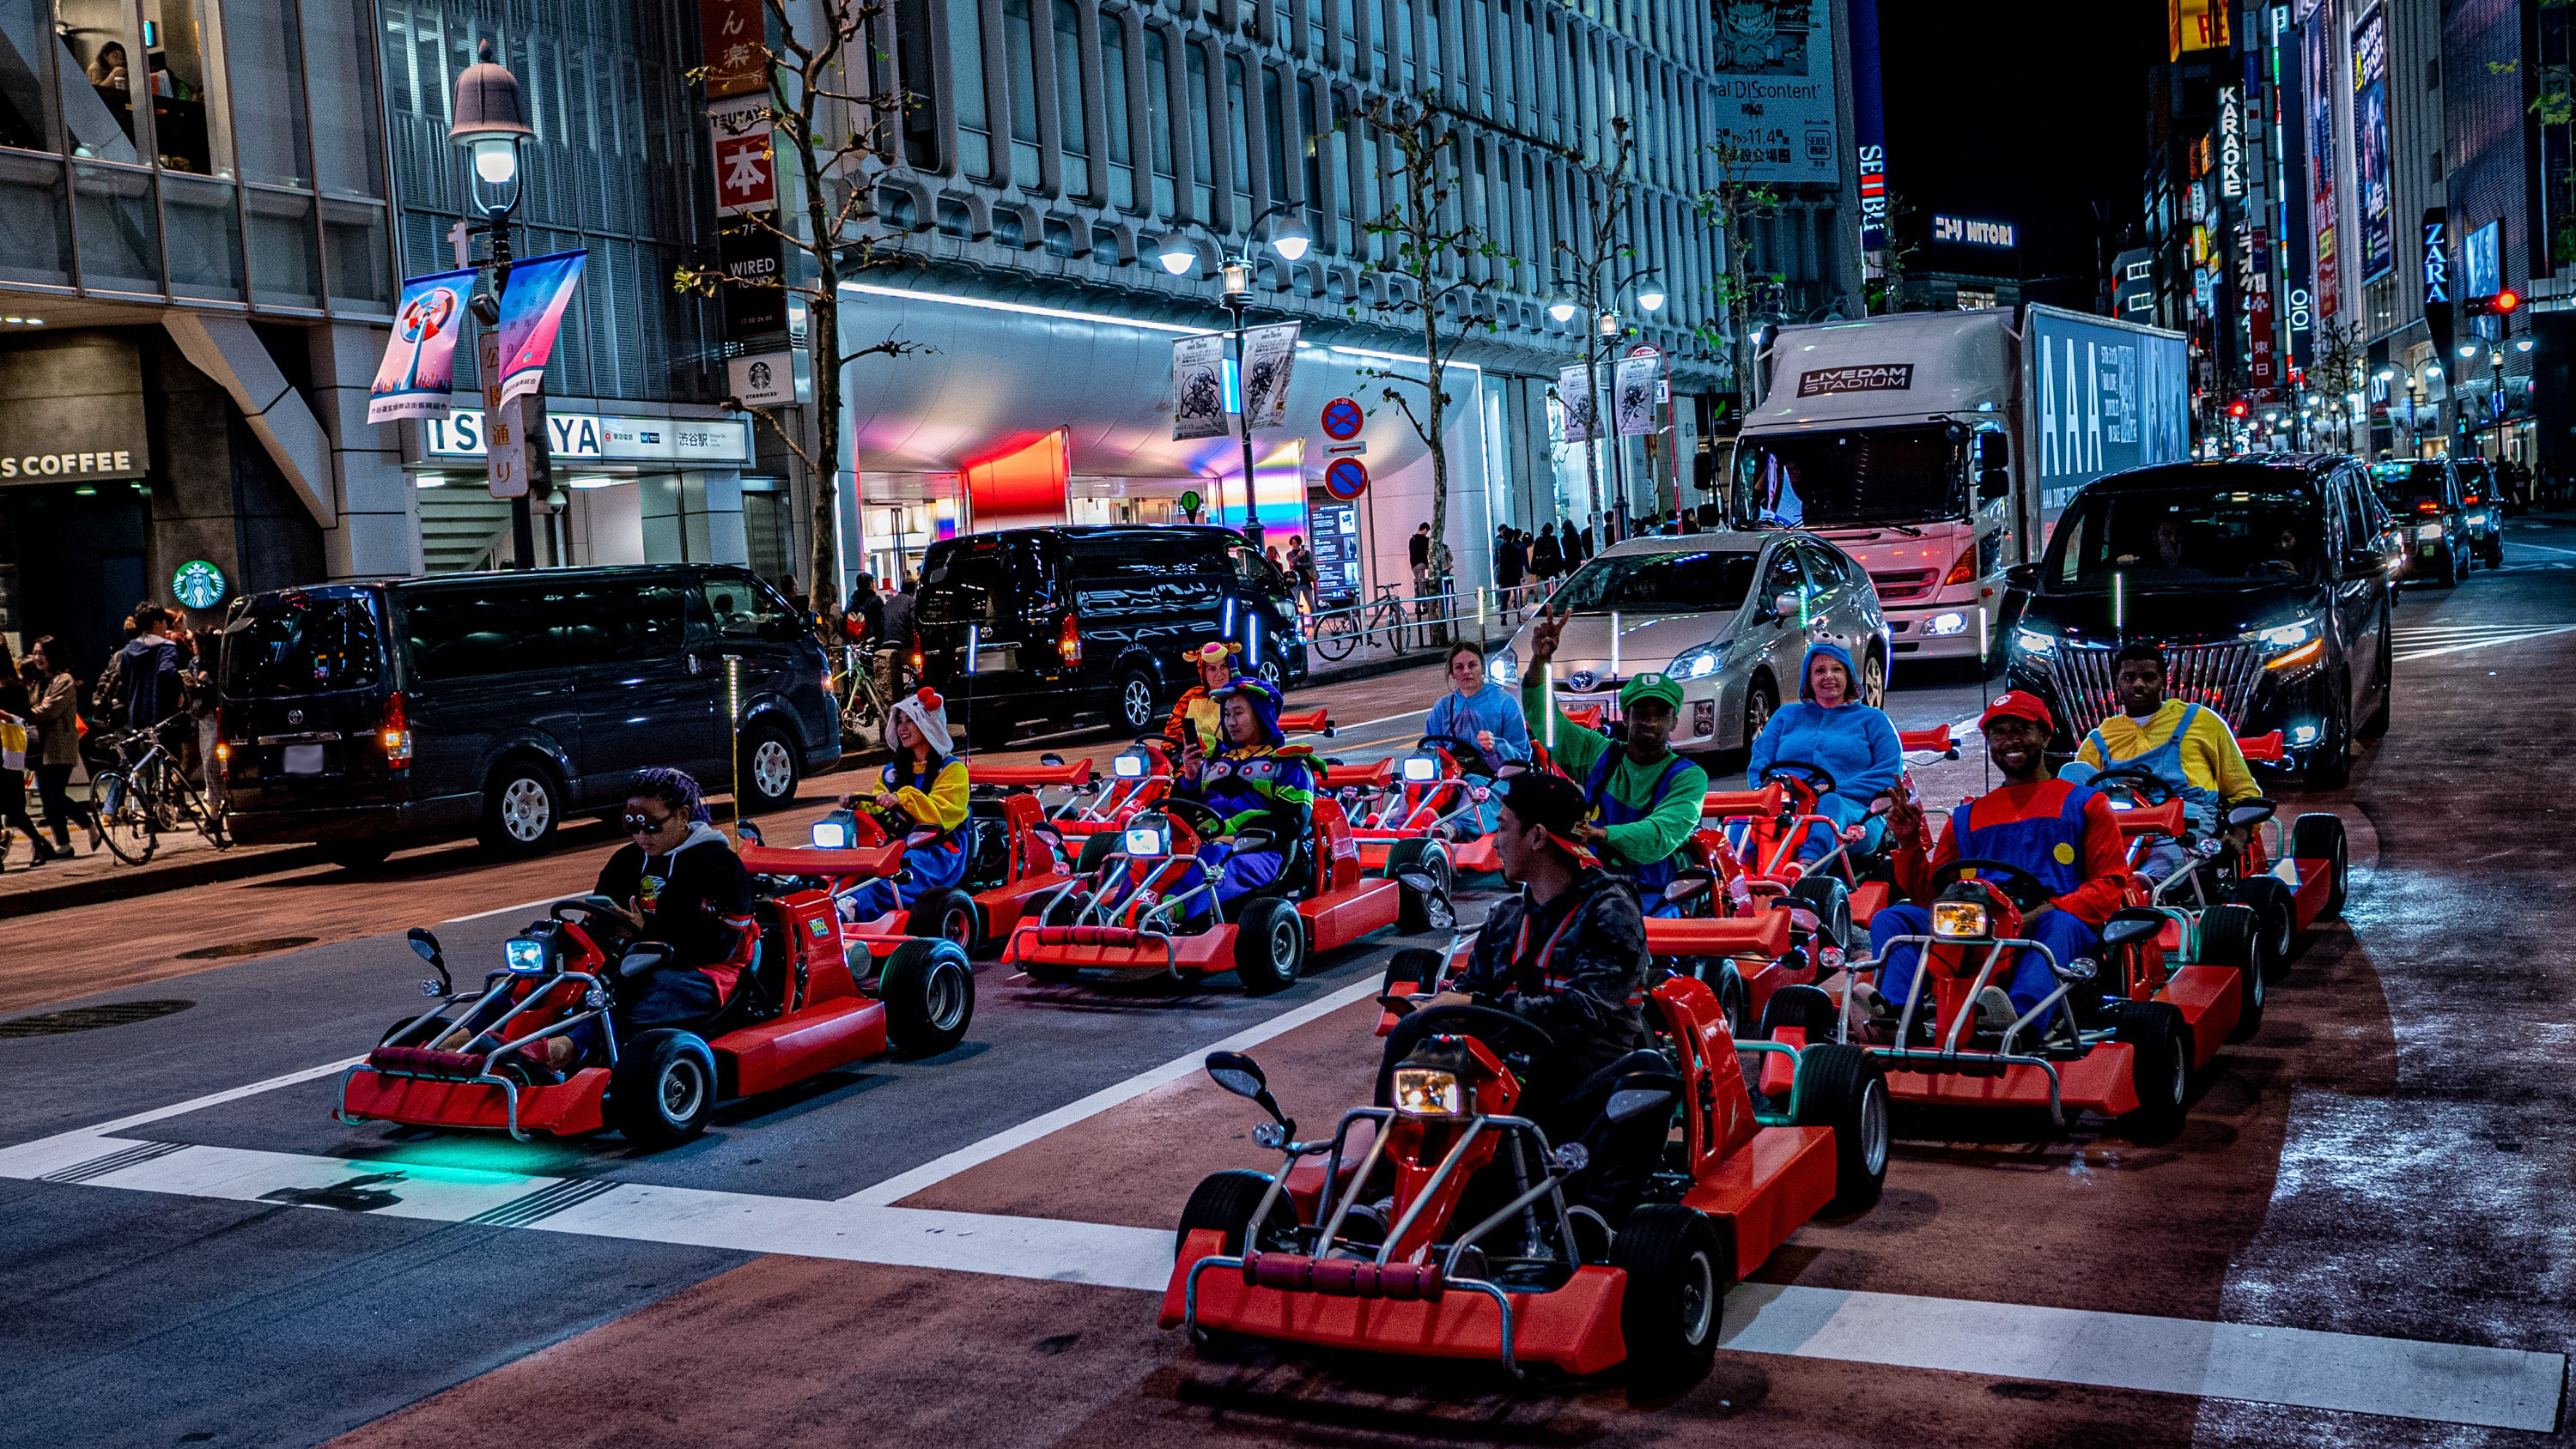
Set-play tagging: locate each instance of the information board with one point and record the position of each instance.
(1336, 542)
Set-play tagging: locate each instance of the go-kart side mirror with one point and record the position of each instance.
(425, 946)
(2131, 931)
(2079, 970)
(2246, 814)
(1631, 1103)
(644, 956)
(1241, 1075)
(1050, 758)
(749, 832)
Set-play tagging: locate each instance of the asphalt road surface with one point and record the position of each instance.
(2361, 1236)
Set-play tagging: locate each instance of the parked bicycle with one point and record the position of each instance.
(864, 683)
(1337, 633)
(144, 794)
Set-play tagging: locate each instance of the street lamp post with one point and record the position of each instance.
(490, 123)
(1290, 240)
(1604, 329)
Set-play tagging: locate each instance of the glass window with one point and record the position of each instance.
(1347, 12)
(1689, 581)
(745, 608)
(204, 238)
(1880, 476)
(2255, 525)
(1435, 62)
(27, 110)
(341, 84)
(468, 633)
(1070, 99)
(120, 236)
(1019, 45)
(1399, 20)
(1345, 142)
(266, 65)
(306, 646)
(1202, 133)
(35, 222)
(1238, 114)
(353, 245)
(283, 269)
(1274, 128)
(99, 47)
(1159, 118)
(605, 623)
(1318, 27)
(1113, 96)
(185, 67)
(1310, 141)
(1381, 31)
(966, 69)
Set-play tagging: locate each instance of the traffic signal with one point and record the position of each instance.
(2495, 306)
(2237, 409)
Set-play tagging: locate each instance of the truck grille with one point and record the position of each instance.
(2214, 676)
(1904, 584)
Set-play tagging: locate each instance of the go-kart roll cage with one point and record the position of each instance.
(1158, 921)
(1950, 1057)
(484, 1076)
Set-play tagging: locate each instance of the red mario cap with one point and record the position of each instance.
(2018, 704)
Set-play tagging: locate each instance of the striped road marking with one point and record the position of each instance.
(2431, 641)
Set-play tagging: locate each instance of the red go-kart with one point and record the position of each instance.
(796, 1009)
(1478, 1255)
(1421, 796)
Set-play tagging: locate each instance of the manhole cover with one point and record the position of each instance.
(259, 947)
(90, 1018)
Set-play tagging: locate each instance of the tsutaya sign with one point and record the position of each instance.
(575, 436)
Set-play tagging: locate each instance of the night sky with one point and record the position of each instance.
(2021, 111)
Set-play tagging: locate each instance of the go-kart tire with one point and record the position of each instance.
(2161, 1068)
(1830, 900)
(664, 1088)
(1805, 1007)
(2319, 836)
(1733, 1000)
(1225, 1201)
(946, 915)
(2276, 911)
(1420, 910)
(1269, 946)
(928, 988)
(1844, 1087)
(1679, 1266)
(1095, 849)
(2233, 935)
(1418, 964)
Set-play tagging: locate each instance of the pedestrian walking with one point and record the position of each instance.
(1569, 545)
(1301, 570)
(1545, 562)
(56, 749)
(17, 720)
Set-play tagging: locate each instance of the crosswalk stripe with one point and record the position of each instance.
(2405, 655)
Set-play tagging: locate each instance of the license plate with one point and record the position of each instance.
(1608, 703)
(999, 657)
(2429, 550)
(301, 760)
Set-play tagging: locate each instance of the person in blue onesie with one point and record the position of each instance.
(2062, 833)
(1256, 780)
(920, 798)
(1488, 719)
(1830, 728)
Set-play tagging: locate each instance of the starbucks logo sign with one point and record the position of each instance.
(199, 584)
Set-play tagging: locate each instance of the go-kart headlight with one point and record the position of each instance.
(1149, 839)
(1699, 663)
(831, 835)
(1420, 769)
(524, 953)
(1504, 667)
(1958, 920)
(1130, 765)
(1427, 1092)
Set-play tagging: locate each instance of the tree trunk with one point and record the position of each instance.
(1433, 370)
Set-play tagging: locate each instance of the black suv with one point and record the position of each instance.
(2425, 495)
(364, 715)
(1040, 624)
(2268, 584)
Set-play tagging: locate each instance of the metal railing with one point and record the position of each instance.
(1395, 623)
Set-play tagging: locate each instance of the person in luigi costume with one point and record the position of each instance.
(1642, 800)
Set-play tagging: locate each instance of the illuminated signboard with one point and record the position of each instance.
(1972, 233)
(2231, 144)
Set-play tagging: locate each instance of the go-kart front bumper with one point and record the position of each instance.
(484, 1103)
(1341, 1305)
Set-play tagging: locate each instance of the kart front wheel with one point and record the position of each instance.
(664, 1089)
(2318, 835)
(1421, 870)
(1225, 1201)
(945, 915)
(2161, 1068)
(1844, 1087)
(1095, 850)
(1678, 1273)
(2234, 935)
(1805, 1007)
(1830, 901)
(928, 988)
(1269, 946)
(2276, 913)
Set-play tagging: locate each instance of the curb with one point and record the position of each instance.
(145, 881)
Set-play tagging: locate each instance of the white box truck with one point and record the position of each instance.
(1938, 447)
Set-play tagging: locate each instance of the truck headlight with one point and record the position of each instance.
(1958, 920)
(2031, 641)
(1426, 1092)
(1699, 663)
(2285, 636)
(1945, 625)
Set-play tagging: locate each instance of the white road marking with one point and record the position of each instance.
(214, 1099)
(2299, 1368)
(2544, 548)
(903, 1185)
(505, 910)
(2407, 655)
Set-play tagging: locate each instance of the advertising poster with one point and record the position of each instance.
(532, 308)
(1634, 393)
(1574, 391)
(1336, 541)
(1198, 387)
(420, 358)
(2370, 143)
(2317, 53)
(746, 171)
(1269, 357)
(1775, 90)
(2109, 398)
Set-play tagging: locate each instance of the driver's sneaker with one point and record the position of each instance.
(1869, 1007)
(1994, 1010)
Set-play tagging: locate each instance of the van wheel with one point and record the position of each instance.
(1136, 712)
(1873, 680)
(770, 771)
(522, 805)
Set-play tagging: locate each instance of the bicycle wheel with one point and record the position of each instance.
(1336, 635)
(1389, 620)
(208, 820)
(125, 818)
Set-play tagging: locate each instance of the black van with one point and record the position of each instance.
(1068, 621)
(367, 715)
(2268, 585)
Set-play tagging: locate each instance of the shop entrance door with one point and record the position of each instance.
(79, 566)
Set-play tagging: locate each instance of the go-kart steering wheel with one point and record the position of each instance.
(2144, 786)
(1469, 755)
(1813, 776)
(2018, 886)
(1183, 804)
(1495, 1027)
(590, 907)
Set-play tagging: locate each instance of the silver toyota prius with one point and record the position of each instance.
(1728, 615)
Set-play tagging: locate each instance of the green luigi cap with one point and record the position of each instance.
(1652, 686)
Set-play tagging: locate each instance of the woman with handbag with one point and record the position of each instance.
(57, 749)
(17, 712)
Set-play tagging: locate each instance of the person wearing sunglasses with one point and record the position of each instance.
(681, 884)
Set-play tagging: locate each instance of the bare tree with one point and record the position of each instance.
(1886, 292)
(1593, 261)
(1729, 206)
(832, 137)
(1429, 243)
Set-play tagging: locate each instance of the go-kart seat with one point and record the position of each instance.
(1291, 883)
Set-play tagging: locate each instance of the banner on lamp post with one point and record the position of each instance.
(505, 446)
(532, 308)
(1269, 356)
(1574, 391)
(1198, 387)
(419, 365)
(1633, 392)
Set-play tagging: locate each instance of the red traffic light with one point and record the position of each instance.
(2495, 305)
(2506, 301)
(2237, 409)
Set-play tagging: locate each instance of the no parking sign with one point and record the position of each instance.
(1346, 478)
(1342, 419)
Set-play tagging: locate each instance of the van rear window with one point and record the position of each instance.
(303, 646)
